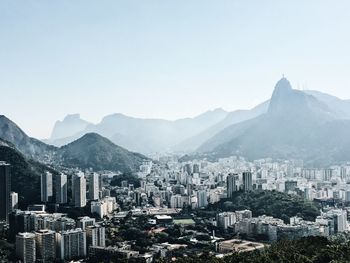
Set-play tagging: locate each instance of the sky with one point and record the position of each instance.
(164, 59)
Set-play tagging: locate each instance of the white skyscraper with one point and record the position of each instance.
(202, 198)
(94, 186)
(95, 236)
(13, 201)
(61, 189)
(79, 190)
(46, 187)
(341, 220)
(25, 247)
(71, 244)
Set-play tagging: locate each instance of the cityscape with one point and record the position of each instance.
(153, 132)
(168, 197)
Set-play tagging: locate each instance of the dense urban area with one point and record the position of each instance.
(172, 209)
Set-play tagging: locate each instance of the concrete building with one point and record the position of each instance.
(247, 181)
(94, 186)
(95, 236)
(79, 191)
(202, 198)
(5, 188)
(46, 187)
(61, 186)
(25, 247)
(232, 184)
(13, 201)
(104, 207)
(45, 245)
(85, 221)
(176, 201)
(225, 219)
(121, 253)
(237, 245)
(71, 244)
(20, 222)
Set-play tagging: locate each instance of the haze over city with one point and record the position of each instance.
(174, 131)
(163, 59)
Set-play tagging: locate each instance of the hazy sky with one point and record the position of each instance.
(166, 59)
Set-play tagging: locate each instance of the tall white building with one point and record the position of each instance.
(94, 186)
(176, 201)
(99, 208)
(79, 191)
(104, 207)
(46, 187)
(96, 236)
(341, 220)
(45, 245)
(202, 198)
(13, 201)
(71, 244)
(61, 189)
(225, 219)
(25, 247)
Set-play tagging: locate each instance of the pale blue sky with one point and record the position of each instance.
(166, 59)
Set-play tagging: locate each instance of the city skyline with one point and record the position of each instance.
(183, 131)
(163, 60)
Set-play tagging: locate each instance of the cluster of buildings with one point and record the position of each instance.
(44, 236)
(165, 189)
(198, 183)
(329, 223)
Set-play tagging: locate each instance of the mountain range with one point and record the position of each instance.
(136, 134)
(89, 151)
(199, 134)
(153, 135)
(307, 125)
(297, 124)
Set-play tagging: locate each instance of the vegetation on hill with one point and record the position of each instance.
(309, 249)
(271, 203)
(129, 177)
(30, 147)
(25, 175)
(90, 151)
(96, 152)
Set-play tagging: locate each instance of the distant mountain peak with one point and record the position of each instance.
(282, 86)
(92, 136)
(287, 101)
(71, 125)
(69, 117)
(97, 152)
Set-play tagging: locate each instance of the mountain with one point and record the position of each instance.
(94, 151)
(296, 125)
(30, 147)
(63, 131)
(89, 151)
(147, 135)
(340, 107)
(25, 173)
(191, 144)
